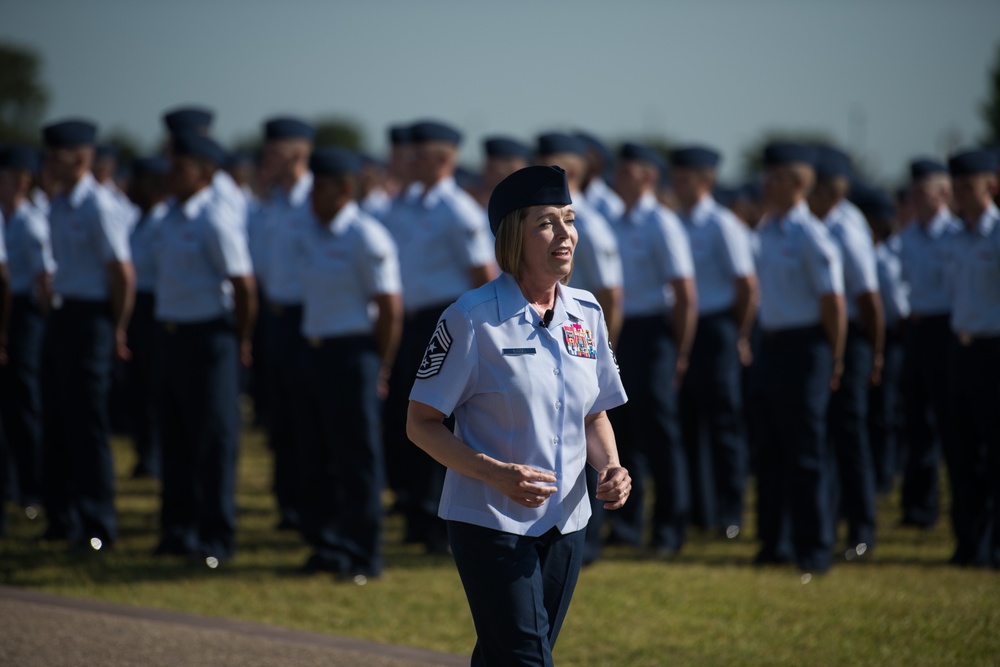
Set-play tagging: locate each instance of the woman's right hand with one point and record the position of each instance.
(526, 486)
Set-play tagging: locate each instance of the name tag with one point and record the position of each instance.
(579, 341)
(517, 351)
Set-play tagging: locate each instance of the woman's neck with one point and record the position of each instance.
(541, 296)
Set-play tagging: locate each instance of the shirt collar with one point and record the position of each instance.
(646, 203)
(700, 212)
(438, 191)
(300, 191)
(511, 302)
(193, 206)
(80, 191)
(342, 219)
(987, 221)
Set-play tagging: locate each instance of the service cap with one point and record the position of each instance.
(531, 186)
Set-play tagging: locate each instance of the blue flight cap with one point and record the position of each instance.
(830, 162)
(593, 144)
(551, 143)
(334, 161)
(400, 135)
(432, 130)
(697, 157)
(634, 151)
(779, 153)
(200, 146)
(498, 146)
(466, 178)
(724, 194)
(751, 191)
(923, 167)
(19, 157)
(288, 128)
(531, 186)
(70, 133)
(873, 201)
(195, 120)
(154, 165)
(106, 150)
(237, 158)
(971, 162)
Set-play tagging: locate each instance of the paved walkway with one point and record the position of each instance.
(44, 630)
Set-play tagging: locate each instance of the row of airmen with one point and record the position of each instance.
(351, 282)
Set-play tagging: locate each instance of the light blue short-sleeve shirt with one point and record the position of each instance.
(141, 241)
(721, 251)
(924, 258)
(284, 225)
(596, 263)
(895, 292)
(520, 394)
(29, 251)
(88, 231)
(604, 199)
(198, 247)
(797, 264)
(344, 265)
(973, 257)
(857, 255)
(654, 251)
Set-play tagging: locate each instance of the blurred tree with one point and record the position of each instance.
(991, 107)
(333, 131)
(23, 98)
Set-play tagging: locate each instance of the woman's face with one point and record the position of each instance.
(549, 241)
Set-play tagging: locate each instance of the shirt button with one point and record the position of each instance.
(558, 405)
(555, 440)
(555, 371)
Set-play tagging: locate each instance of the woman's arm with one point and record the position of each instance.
(613, 481)
(523, 484)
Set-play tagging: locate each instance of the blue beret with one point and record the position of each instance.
(505, 147)
(786, 152)
(400, 135)
(188, 119)
(592, 143)
(334, 161)
(970, 162)
(150, 166)
(70, 133)
(430, 130)
(695, 156)
(288, 128)
(19, 157)
(923, 167)
(531, 186)
(830, 162)
(551, 143)
(634, 151)
(187, 144)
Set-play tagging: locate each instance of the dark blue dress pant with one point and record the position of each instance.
(142, 380)
(885, 422)
(519, 590)
(199, 414)
(284, 385)
(712, 424)
(648, 435)
(793, 479)
(341, 468)
(78, 473)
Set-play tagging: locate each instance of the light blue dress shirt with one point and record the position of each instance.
(798, 263)
(344, 263)
(3, 240)
(857, 254)
(974, 276)
(228, 193)
(596, 263)
(88, 231)
(441, 235)
(141, 242)
(520, 394)
(283, 226)
(895, 292)
(654, 251)
(29, 251)
(923, 257)
(721, 251)
(198, 247)
(604, 199)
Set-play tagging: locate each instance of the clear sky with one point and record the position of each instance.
(887, 79)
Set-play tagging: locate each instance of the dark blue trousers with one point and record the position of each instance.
(975, 419)
(793, 479)
(142, 380)
(416, 478)
(21, 400)
(847, 432)
(341, 469)
(284, 385)
(519, 589)
(885, 416)
(77, 469)
(199, 415)
(648, 435)
(927, 408)
(712, 424)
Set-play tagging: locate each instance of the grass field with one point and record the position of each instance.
(902, 606)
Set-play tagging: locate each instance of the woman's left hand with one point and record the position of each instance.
(614, 485)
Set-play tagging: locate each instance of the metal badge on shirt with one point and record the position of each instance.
(579, 341)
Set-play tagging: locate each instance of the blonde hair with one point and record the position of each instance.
(509, 244)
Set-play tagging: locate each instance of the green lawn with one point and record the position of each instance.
(709, 607)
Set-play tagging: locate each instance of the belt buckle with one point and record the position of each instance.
(315, 342)
(965, 339)
(171, 327)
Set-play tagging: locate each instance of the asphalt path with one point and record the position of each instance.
(44, 630)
